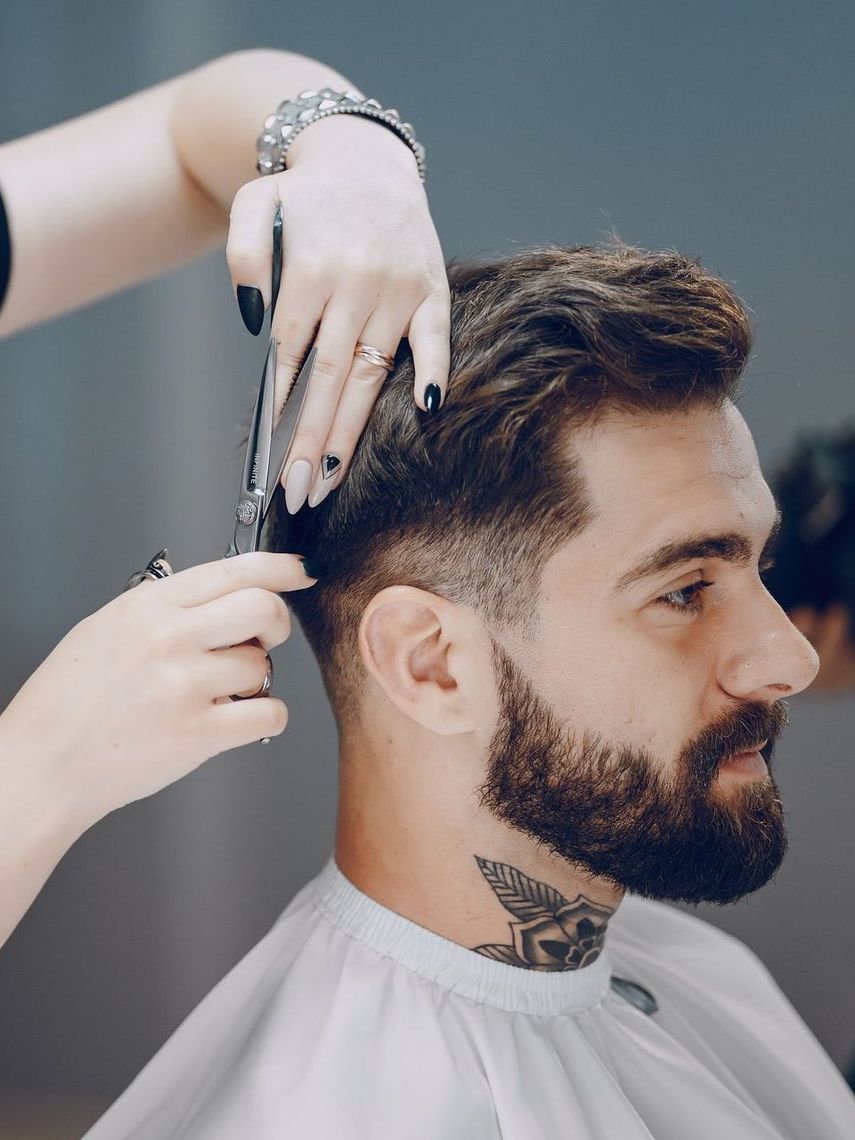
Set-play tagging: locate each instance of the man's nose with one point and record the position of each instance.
(768, 657)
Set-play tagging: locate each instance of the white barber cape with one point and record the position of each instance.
(348, 1022)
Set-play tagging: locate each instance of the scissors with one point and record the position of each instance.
(267, 450)
(267, 453)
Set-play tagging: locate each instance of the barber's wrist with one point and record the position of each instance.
(348, 141)
(35, 802)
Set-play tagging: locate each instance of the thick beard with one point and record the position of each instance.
(612, 812)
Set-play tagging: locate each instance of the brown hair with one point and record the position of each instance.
(470, 501)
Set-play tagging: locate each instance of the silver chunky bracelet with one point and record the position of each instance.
(294, 115)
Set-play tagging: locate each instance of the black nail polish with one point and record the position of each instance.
(310, 568)
(331, 464)
(251, 305)
(433, 398)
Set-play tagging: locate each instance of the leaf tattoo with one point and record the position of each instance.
(505, 954)
(523, 897)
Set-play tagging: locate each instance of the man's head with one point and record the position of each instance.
(499, 570)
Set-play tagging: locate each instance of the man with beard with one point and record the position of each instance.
(559, 679)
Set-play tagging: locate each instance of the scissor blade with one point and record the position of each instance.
(277, 261)
(257, 462)
(283, 437)
(253, 502)
(251, 507)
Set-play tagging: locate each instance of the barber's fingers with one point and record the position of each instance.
(234, 723)
(249, 249)
(239, 617)
(430, 342)
(261, 569)
(303, 297)
(383, 330)
(239, 670)
(342, 322)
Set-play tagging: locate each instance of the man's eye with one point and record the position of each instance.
(685, 601)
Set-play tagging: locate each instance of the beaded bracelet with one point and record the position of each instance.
(294, 115)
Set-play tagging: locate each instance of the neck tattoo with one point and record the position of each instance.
(550, 933)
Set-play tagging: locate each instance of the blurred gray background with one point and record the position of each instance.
(722, 130)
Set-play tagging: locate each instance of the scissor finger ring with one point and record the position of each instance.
(266, 685)
(156, 568)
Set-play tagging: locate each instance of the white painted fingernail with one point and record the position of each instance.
(297, 484)
(319, 493)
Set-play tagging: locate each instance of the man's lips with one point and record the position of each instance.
(751, 764)
(748, 751)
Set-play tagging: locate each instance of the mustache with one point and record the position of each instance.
(740, 731)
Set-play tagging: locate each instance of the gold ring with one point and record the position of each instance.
(375, 356)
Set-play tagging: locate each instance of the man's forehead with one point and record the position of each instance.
(652, 456)
(673, 478)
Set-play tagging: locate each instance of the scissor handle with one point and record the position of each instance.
(156, 569)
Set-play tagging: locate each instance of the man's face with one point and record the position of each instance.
(620, 712)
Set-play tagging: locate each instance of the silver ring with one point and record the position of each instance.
(156, 569)
(266, 685)
(375, 356)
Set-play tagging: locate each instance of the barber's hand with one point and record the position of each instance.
(362, 260)
(830, 633)
(136, 696)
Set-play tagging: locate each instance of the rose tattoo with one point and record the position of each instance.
(551, 933)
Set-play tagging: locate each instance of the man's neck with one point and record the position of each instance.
(413, 836)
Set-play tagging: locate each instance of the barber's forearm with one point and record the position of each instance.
(97, 204)
(140, 187)
(36, 830)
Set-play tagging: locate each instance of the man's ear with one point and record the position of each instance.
(428, 655)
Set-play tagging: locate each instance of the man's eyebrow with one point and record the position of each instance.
(731, 547)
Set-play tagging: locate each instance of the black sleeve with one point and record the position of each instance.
(5, 252)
